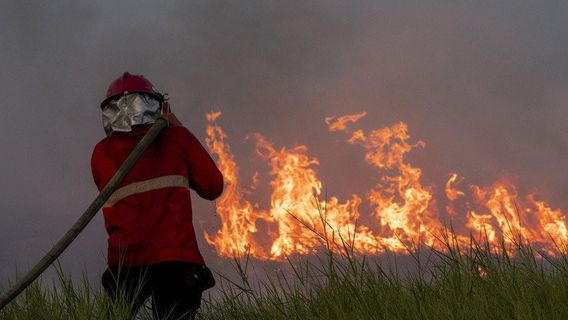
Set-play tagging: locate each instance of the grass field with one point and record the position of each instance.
(478, 282)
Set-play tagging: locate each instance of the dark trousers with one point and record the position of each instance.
(175, 287)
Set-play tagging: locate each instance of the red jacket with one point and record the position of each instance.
(148, 218)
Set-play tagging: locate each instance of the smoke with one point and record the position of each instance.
(482, 83)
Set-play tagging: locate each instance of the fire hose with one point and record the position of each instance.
(87, 216)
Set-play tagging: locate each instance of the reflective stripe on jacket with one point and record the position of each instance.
(149, 217)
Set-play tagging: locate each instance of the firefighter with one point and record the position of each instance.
(152, 247)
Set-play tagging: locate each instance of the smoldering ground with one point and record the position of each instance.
(482, 83)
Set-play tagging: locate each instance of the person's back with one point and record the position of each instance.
(149, 218)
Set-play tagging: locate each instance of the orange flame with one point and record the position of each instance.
(340, 123)
(403, 211)
(238, 216)
(452, 193)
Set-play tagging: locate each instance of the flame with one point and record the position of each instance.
(235, 237)
(452, 193)
(340, 123)
(401, 203)
(403, 211)
(481, 223)
(552, 225)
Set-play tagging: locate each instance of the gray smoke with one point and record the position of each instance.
(483, 83)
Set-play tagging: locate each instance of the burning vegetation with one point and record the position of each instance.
(404, 214)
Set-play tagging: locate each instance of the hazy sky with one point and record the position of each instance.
(483, 83)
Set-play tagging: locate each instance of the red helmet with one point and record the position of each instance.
(130, 83)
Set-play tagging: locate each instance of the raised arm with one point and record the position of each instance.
(204, 176)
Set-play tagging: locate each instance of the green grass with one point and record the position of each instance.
(477, 282)
(65, 299)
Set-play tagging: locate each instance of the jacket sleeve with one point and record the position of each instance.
(204, 176)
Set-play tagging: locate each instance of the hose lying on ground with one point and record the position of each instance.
(91, 211)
